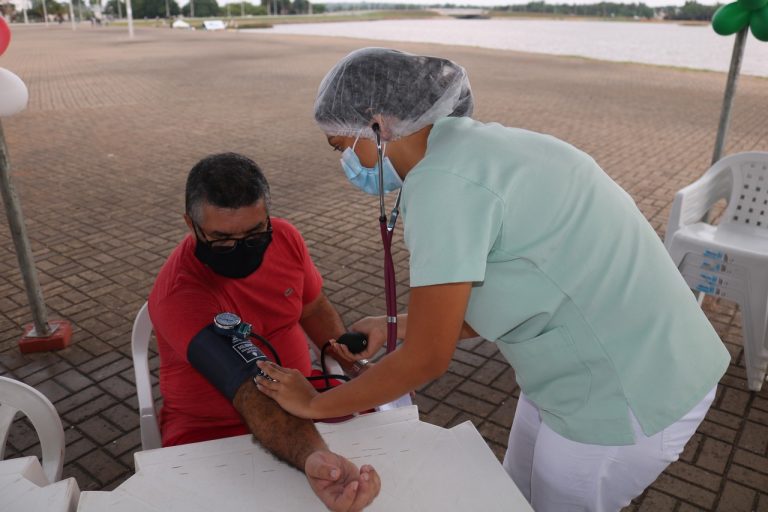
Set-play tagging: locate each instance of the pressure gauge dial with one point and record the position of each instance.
(226, 321)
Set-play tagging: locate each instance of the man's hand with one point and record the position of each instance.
(289, 388)
(339, 484)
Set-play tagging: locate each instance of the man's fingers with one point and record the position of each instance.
(323, 472)
(374, 480)
(369, 470)
(370, 485)
(322, 465)
(347, 497)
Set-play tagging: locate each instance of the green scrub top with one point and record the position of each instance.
(569, 279)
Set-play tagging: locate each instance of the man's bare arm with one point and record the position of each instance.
(289, 438)
(336, 481)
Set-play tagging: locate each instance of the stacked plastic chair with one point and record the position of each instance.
(25, 484)
(16, 397)
(729, 260)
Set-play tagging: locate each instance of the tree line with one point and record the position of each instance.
(691, 10)
(208, 8)
(164, 8)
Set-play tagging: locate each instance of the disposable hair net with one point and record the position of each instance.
(400, 91)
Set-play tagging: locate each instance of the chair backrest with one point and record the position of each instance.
(748, 205)
(16, 397)
(142, 332)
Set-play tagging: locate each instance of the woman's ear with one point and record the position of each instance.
(383, 126)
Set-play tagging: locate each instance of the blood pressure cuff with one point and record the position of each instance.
(225, 361)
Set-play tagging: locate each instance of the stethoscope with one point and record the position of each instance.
(229, 324)
(387, 227)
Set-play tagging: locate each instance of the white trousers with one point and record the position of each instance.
(556, 474)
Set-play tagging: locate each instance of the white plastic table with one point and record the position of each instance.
(423, 468)
(24, 488)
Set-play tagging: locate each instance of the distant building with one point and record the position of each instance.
(7, 7)
(18, 4)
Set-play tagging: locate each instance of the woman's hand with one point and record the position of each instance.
(374, 328)
(288, 388)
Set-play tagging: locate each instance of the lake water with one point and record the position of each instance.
(666, 44)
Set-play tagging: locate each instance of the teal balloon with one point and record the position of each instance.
(758, 24)
(730, 18)
(752, 5)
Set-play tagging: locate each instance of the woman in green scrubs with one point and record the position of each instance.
(522, 239)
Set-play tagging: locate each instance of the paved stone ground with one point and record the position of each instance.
(100, 159)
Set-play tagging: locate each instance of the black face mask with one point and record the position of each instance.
(238, 262)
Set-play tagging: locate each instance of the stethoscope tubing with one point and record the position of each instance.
(387, 228)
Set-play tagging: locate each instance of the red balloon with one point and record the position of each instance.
(5, 35)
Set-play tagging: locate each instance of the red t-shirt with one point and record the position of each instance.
(185, 298)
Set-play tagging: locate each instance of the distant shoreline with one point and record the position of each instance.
(253, 22)
(666, 44)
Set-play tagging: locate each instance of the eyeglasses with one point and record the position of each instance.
(226, 245)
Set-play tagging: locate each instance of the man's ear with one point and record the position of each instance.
(188, 221)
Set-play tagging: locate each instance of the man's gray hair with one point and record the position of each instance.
(224, 180)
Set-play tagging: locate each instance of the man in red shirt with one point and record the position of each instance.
(238, 259)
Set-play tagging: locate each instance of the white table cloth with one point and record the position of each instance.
(423, 467)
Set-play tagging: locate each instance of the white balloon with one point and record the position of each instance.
(13, 94)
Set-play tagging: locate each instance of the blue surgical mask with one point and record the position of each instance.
(367, 178)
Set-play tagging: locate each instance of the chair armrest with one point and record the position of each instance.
(692, 203)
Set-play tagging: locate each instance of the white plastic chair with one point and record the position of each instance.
(16, 397)
(730, 259)
(142, 332)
